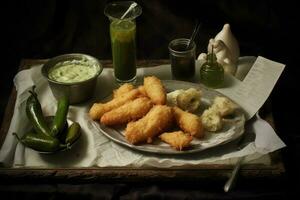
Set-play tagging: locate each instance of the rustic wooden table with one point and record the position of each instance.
(205, 171)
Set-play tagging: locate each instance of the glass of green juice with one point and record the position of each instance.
(122, 36)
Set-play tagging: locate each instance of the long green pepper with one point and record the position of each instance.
(60, 116)
(35, 114)
(40, 142)
(73, 133)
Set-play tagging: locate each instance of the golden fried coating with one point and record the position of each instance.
(177, 139)
(142, 90)
(123, 89)
(130, 111)
(156, 121)
(155, 90)
(98, 109)
(188, 122)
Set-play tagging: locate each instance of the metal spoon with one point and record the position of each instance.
(132, 6)
(193, 36)
(231, 181)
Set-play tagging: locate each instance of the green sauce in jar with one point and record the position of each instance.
(72, 71)
(212, 72)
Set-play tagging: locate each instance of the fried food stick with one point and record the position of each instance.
(188, 122)
(177, 139)
(130, 111)
(125, 88)
(156, 121)
(98, 109)
(155, 90)
(142, 90)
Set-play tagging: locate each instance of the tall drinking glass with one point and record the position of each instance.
(122, 35)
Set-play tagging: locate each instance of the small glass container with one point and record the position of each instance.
(123, 36)
(182, 59)
(212, 72)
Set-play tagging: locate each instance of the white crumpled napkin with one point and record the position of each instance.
(94, 149)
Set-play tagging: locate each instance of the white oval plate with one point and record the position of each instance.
(233, 127)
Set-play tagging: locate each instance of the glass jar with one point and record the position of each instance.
(182, 59)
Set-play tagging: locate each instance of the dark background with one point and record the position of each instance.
(43, 29)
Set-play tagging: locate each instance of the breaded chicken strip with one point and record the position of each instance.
(155, 90)
(130, 111)
(156, 121)
(142, 90)
(177, 139)
(125, 88)
(188, 122)
(98, 109)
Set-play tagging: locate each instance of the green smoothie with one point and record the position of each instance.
(123, 46)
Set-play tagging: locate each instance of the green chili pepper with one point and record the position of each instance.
(35, 114)
(73, 133)
(60, 116)
(40, 142)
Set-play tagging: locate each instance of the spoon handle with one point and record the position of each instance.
(132, 6)
(231, 181)
(196, 29)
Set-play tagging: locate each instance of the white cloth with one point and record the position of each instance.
(94, 149)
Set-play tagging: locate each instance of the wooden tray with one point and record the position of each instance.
(205, 171)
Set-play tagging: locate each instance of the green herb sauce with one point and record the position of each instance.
(72, 71)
